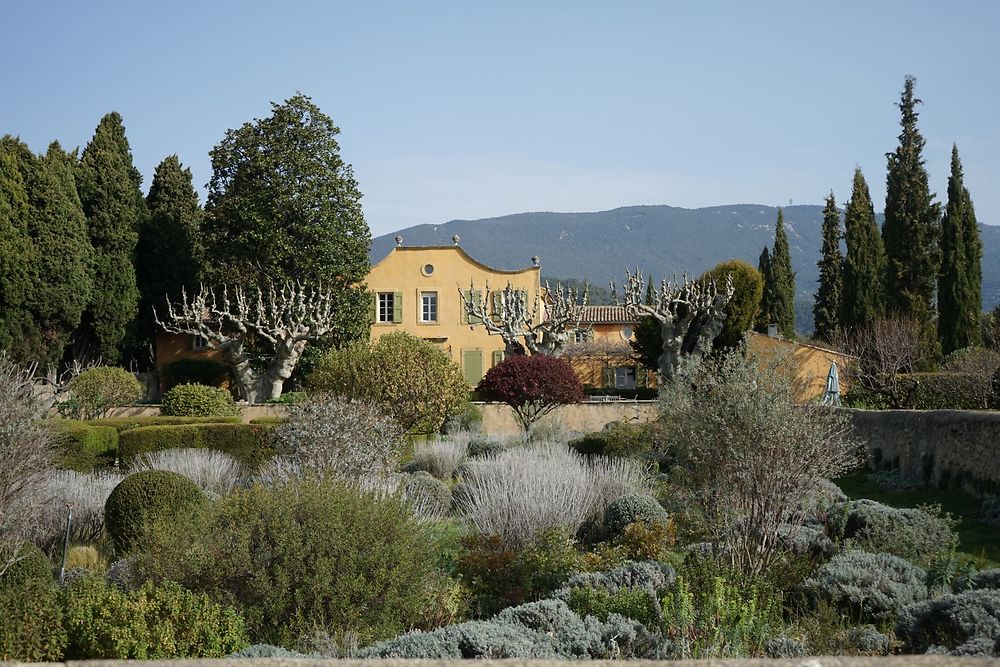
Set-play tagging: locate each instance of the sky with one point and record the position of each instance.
(469, 109)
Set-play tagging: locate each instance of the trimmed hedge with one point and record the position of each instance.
(144, 498)
(198, 400)
(84, 445)
(252, 444)
(122, 424)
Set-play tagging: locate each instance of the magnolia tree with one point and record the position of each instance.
(691, 314)
(287, 318)
(542, 332)
(532, 386)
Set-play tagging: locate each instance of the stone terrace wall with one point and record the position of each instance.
(944, 448)
(582, 417)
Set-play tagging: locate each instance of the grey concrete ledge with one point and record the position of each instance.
(822, 661)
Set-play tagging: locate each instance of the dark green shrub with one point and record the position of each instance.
(197, 400)
(874, 586)
(84, 446)
(641, 440)
(122, 424)
(252, 444)
(631, 509)
(304, 556)
(918, 535)
(97, 390)
(32, 565)
(194, 371)
(946, 391)
(482, 447)
(429, 495)
(268, 421)
(31, 623)
(290, 398)
(145, 499)
(156, 621)
(963, 624)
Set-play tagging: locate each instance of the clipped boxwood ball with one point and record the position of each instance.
(145, 498)
(632, 509)
(31, 565)
(198, 400)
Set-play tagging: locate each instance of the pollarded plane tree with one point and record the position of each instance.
(286, 317)
(691, 314)
(543, 331)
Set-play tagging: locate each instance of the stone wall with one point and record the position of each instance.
(942, 448)
(582, 417)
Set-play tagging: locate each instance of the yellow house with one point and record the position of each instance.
(416, 289)
(601, 354)
(811, 362)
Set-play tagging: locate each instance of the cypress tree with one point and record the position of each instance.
(16, 253)
(911, 229)
(108, 184)
(826, 309)
(765, 316)
(863, 299)
(960, 278)
(169, 251)
(63, 254)
(783, 279)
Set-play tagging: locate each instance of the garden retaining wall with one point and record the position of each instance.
(941, 448)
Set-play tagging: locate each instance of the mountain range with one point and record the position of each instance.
(659, 240)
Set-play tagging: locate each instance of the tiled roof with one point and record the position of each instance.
(607, 315)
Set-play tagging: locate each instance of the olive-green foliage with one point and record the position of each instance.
(84, 446)
(640, 441)
(945, 391)
(303, 556)
(252, 444)
(911, 229)
(197, 400)
(864, 266)
(32, 623)
(97, 390)
(428, 493)
(915, 534)
(145, 499)
(633, 603)
(31, 565)
(283, 205)
(827, 307)
(108, 185)
(742, 309)
(721, 619)
(194, 371)
(631, 509)
(157, 621)
(169, 253)
(418, 383)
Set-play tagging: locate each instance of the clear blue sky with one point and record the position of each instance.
(470, 109)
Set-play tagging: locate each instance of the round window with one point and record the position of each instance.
(427, 269)
(627, 333)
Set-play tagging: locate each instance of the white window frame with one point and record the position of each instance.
(428, 307)
(199, 343)
(386, 305)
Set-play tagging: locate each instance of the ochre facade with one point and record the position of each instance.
(812, 363)
(407, 279)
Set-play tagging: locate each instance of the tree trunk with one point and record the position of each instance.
(286, 357)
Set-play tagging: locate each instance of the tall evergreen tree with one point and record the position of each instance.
(765, 316)
(863, 300)
(826, 309)
(169, 254)
(959, 281)
(108, 184)
(784, 281)
(911, 229)
(16, 252)
(284, 205)
(63, 254)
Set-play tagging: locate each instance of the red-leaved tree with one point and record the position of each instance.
(532, 386)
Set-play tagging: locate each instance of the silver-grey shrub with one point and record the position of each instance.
(341, 437)
(212, 470)
(526, 490)
(915, 534)
(86, 493)
(989, 578)
(962, 624)
(875, 586)
(440, 457)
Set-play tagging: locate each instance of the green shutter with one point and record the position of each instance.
(472, 366)
(397, 307)
(473, 296)
(497, 356)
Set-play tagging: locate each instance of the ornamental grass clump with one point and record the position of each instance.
(86, 493)
(524, 491)
(440, 458)
(213, 471)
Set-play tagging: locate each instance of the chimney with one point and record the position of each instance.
(772, 330)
